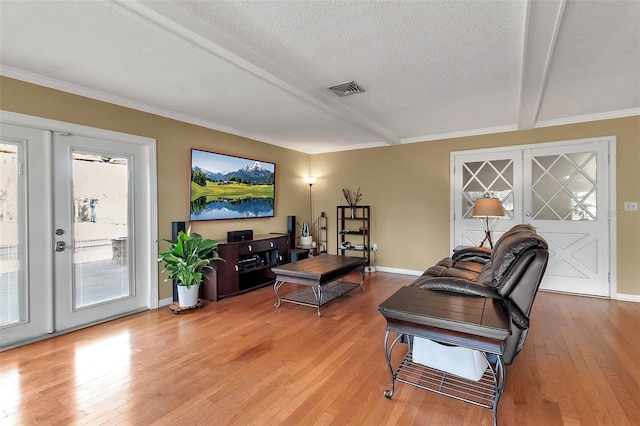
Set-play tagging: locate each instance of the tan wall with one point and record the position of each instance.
(407, 186)
(174, 142)
(408, 189)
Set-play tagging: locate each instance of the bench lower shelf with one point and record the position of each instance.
(484, 392)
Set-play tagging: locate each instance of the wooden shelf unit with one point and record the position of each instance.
(323, 234)
(355, 229)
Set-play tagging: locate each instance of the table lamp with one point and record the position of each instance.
(485, 208)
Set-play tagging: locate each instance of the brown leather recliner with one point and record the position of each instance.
(511, 272)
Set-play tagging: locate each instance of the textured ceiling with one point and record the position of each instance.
(260, 69)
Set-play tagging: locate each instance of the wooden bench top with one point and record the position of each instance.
(470, 321)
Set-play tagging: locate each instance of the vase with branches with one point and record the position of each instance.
(352, 199)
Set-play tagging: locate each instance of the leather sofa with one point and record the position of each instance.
(511, 272)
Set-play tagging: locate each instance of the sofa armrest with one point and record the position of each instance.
(517, 316)
(460, 286)
(473, 254)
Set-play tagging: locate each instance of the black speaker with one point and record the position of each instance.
(176, 227)
(291, 230)
(245, 235)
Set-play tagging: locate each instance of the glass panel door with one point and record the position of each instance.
(68, 227)
(93, 212)
(12, 276)
(25, 256)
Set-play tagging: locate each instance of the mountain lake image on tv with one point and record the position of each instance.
(229, 187)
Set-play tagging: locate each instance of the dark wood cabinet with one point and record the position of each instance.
(246, 266)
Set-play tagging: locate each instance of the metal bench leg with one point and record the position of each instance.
(387, 355)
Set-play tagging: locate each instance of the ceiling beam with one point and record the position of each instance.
(170, 18)
(542, 20)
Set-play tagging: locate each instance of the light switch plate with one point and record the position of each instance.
(630, 206)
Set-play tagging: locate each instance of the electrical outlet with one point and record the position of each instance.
(370, 269)
(374, 248)
(630, 206)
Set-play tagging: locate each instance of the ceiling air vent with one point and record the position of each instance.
(346, 89)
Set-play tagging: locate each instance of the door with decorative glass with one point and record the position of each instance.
(567, 202)
(479, 175)
(560, 188)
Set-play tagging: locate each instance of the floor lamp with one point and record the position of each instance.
(310, 180)
(484, 208)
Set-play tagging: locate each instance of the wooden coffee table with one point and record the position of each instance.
(321, 275)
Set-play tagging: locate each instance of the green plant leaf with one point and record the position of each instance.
(186, 258)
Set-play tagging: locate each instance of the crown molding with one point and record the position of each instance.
(74, 89)
(51, 83)
(589, 117)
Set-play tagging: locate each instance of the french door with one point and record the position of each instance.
(26, 290)
(75, 247)
(562, 189)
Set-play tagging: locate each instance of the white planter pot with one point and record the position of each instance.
(306, 241)
(188, 297)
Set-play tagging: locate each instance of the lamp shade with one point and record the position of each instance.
(310, 180)
(487, 207)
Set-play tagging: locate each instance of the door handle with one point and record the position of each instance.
(60, 245)
(528, 214)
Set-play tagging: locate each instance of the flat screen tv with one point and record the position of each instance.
(229, 187)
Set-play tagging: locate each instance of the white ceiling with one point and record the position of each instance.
(431, 69)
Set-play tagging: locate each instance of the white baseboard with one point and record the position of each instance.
(398, 271)
(628, 297)
(165, 302)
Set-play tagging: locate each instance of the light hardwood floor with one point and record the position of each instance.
(242, 362)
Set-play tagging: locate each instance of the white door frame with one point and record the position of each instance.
(611, 140)
(149, 263)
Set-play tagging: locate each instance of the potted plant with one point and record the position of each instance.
(185, 260)
(306, 239)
